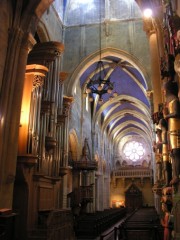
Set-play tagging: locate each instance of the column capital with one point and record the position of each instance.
(29, 41)
(148, 26)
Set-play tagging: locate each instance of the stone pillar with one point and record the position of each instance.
(17, 41)
(101, 192)
(10, 105)
(155, 61)
(97, 191)
(106, 192)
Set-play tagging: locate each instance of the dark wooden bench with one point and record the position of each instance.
(143, 224)
(93, 224)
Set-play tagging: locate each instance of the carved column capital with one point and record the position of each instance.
(28, 41)
(148, 26)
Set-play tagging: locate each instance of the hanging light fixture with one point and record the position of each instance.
(99, 84)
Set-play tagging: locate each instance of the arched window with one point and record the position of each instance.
(134, 150)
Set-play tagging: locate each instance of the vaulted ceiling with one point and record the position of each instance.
(128, 113)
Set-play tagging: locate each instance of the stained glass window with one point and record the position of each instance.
(134, 150)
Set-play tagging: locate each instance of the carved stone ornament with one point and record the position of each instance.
(148, 25)
(29, 41)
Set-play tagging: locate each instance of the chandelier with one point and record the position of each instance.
(100, 84)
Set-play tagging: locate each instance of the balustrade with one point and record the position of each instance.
(135, 173)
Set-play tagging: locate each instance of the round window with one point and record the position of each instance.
(134, 150)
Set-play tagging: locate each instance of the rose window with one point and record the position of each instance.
(134, 150)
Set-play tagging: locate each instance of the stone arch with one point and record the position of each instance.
(105, 52)
(42, 32)
(124, 163)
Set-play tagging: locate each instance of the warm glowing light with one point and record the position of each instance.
(118, 203)
(25, 110)
(2, 120)
(147, 13)
(24, 117)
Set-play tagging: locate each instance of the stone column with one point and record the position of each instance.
(101, 189)
(149, 27)
(10, 105)
(17, 41)
(106, 192)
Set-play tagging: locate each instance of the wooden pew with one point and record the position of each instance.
(143, 224)
(93, 224)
